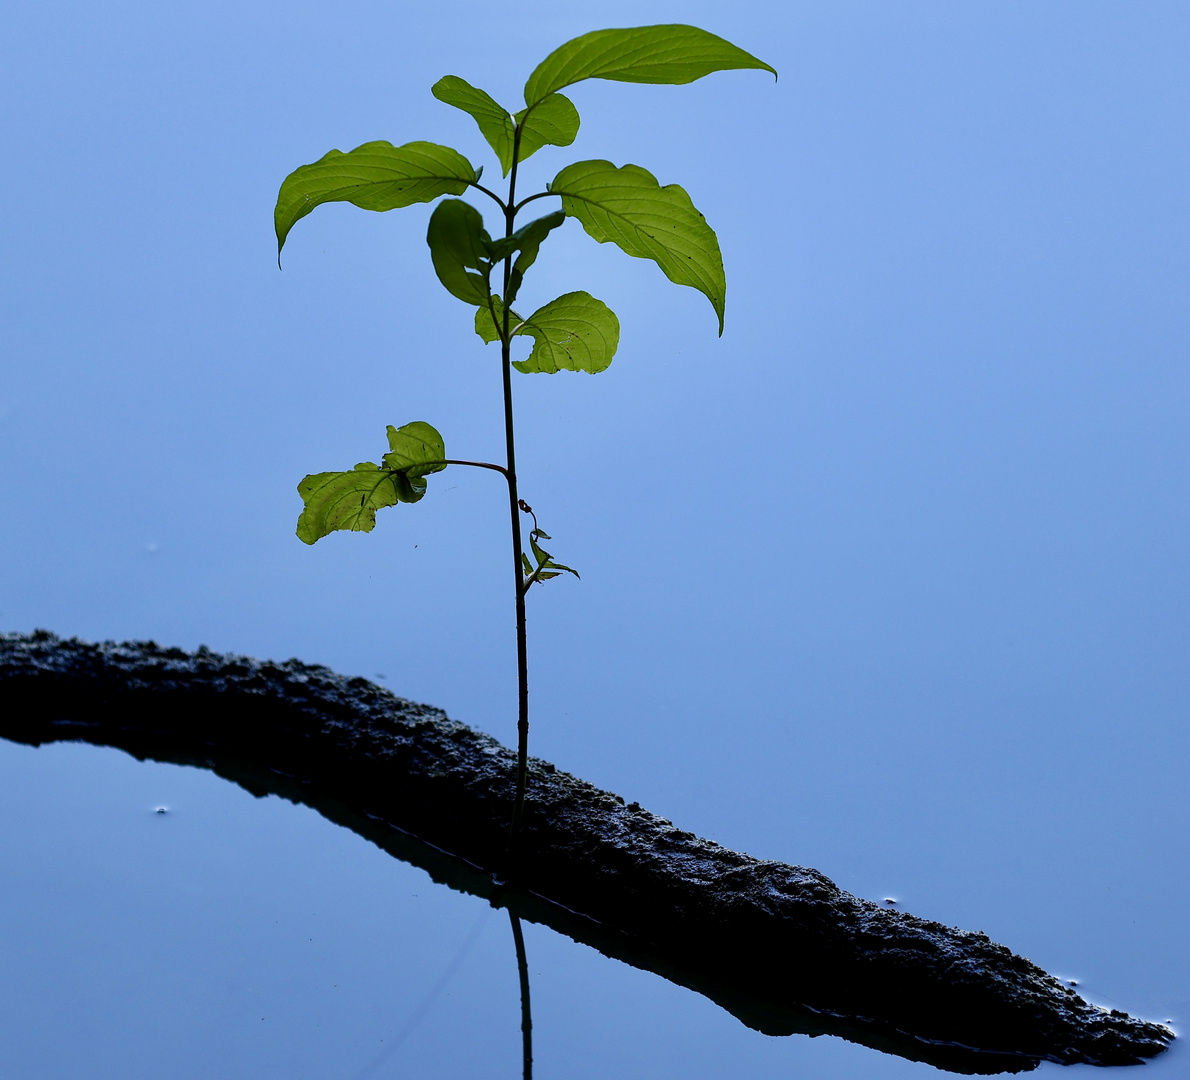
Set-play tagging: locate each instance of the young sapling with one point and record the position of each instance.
(625, 205)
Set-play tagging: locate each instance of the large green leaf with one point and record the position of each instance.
(495, 123)
(375, 176)
(349, 500)
(553, 122)
(628, 207)
(645, 54)
(576, 332)
(459, 246)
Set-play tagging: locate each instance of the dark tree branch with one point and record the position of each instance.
(781, 947)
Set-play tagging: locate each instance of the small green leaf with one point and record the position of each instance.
(546, 567)
(645, 54)
(628, 207)
(526, 240)
(415, 449)
(459, 247)
(576, 332)
(349, 500)
(553, 122)
(485, 327)
(375, 176)
(495, 124)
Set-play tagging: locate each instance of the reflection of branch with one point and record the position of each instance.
(782, 947)
(522, 967)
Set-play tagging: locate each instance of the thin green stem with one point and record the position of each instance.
(490, 194)
(522, 650)
(474, 464)
(540, 195)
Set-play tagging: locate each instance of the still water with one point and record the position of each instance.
(159, 921)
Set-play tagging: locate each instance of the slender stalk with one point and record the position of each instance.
(474, 464)
(522, 650)
(529, 199)
(522, 965)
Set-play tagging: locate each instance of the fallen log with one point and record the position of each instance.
(779, 946)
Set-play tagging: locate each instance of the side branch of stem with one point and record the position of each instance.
(530, 198)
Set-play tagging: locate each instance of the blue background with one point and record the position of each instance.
(891, 580)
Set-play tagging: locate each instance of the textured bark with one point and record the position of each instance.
(781, 947)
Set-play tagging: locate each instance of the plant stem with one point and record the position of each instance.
(522, 966)
(474, 464)
(522, 650)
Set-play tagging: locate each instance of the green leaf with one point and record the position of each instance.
(553, 122)
(628, 207)
(345, 500)
(486, 328)
(495, 123)
(646, 54)
(576, 332)
(459, 246)
(375, 176)
(349, 500)
(546, 567)
(415, 449)
(526, 240)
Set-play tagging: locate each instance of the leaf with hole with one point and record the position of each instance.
(576, 332)
(374, 176)
(628, 207)
(671, 53)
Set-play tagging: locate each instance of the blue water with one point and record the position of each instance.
(890, 580)
(159, 921)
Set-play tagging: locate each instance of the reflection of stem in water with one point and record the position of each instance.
(526, 1015)
(419, 1013)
